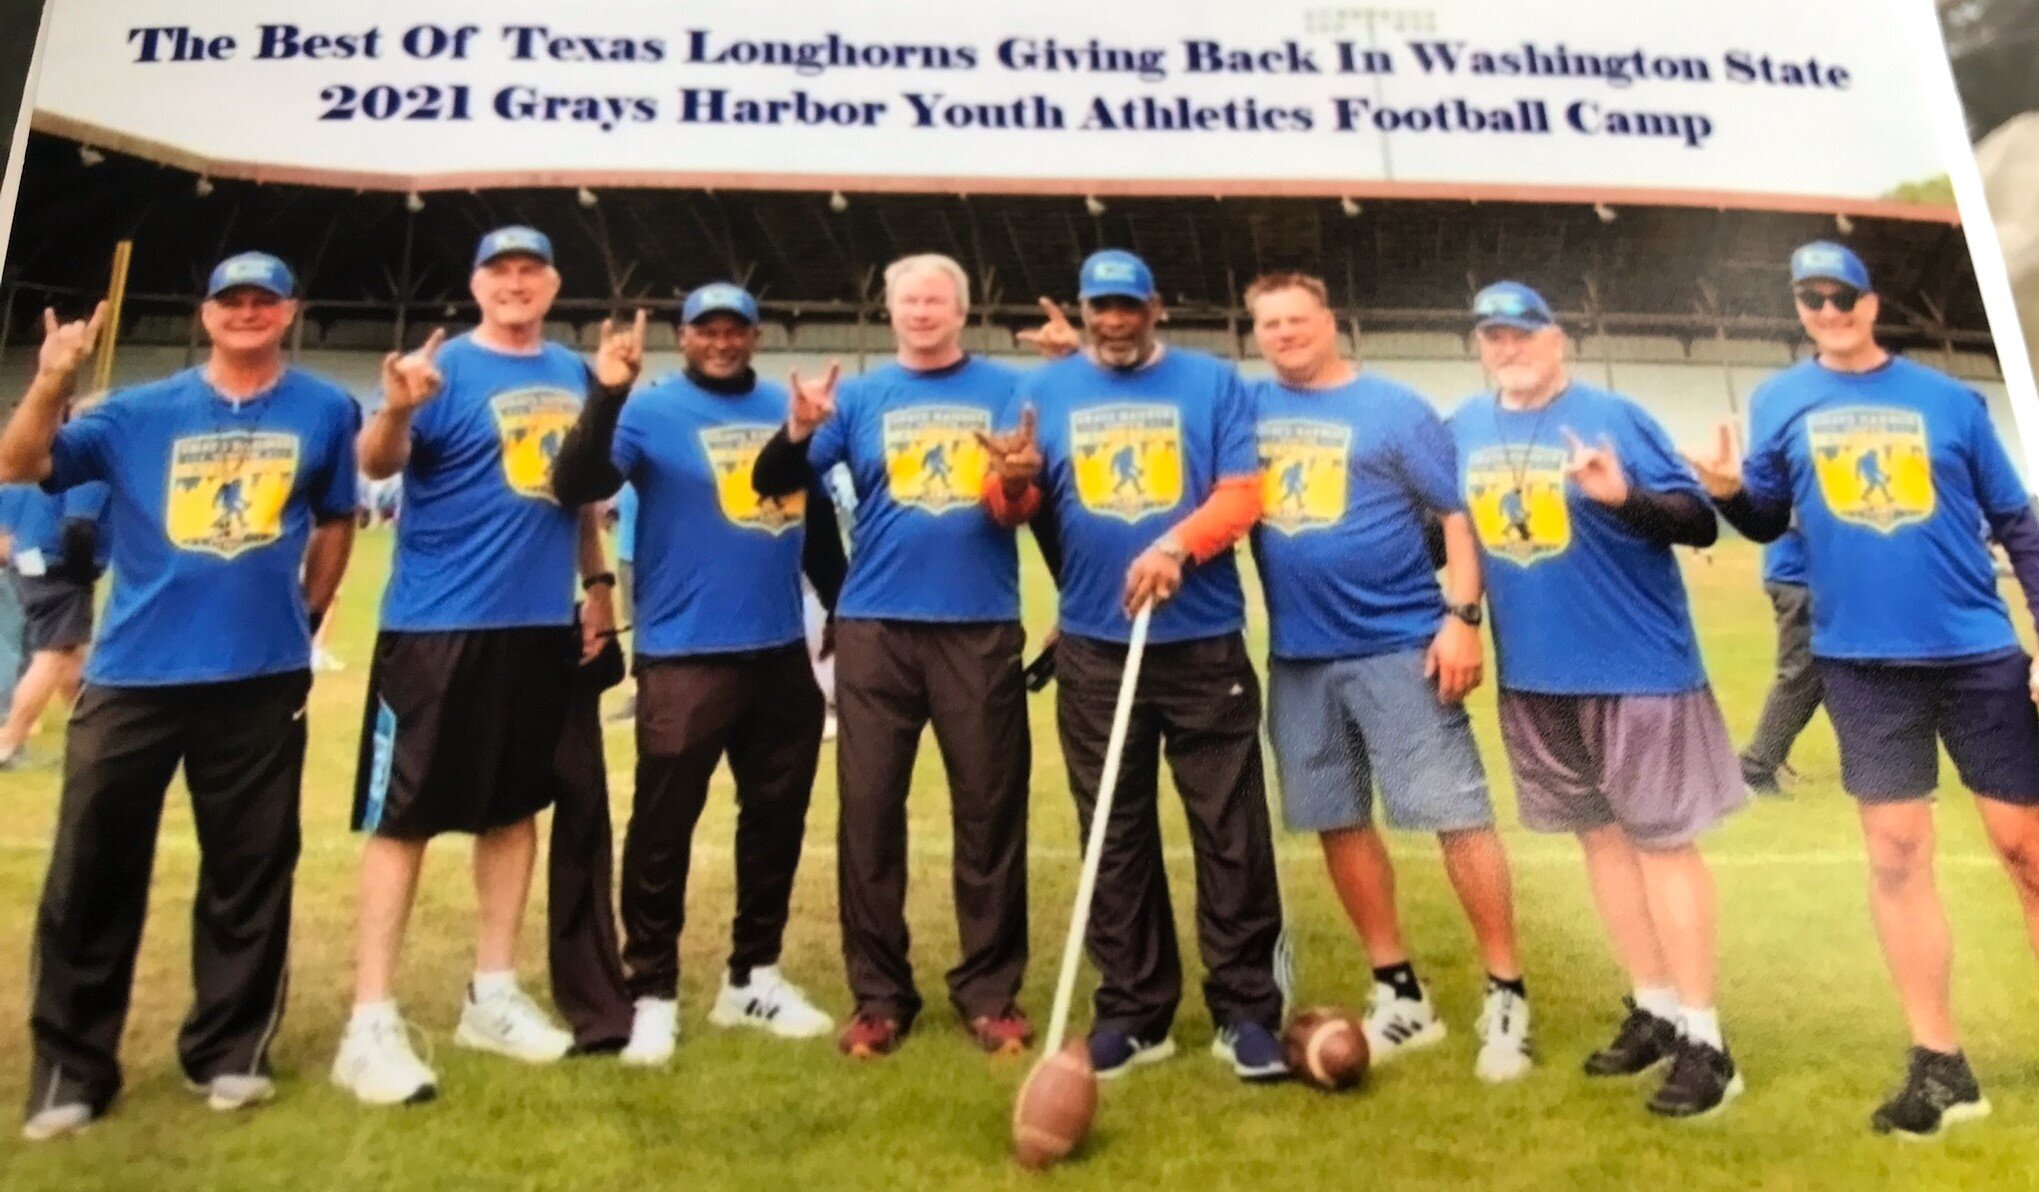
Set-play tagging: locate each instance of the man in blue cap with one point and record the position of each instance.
(472, 723)
(721, 655)
(1577, 497)
(1159, 528)
(1914, 643)
(204, 661)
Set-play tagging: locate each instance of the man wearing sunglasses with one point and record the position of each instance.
(1890, 468)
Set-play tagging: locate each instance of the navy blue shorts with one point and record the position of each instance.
(1891, 718)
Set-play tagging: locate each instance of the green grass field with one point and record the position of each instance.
(1803, 996)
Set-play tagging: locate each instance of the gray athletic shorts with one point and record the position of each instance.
(1340, 726)
(1658, 765)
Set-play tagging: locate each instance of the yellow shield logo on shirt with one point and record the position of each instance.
(1874, 465)
(1127, 458)
(732, 451)
(1304, 465)
(227, 491)
(933, 460)
(1516, 497)
(532, 424)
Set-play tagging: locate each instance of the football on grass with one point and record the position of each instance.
(1056, 1103)
(1325, 1048)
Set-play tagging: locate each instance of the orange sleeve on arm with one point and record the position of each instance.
(1224, 517)
(1006, 511)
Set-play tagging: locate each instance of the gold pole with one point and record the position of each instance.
(116, 292)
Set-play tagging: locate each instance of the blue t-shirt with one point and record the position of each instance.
(1128, 454)
(1891, 474)
(626, 525)
(718, 567)
(210, 505)
(482, 544)
(34, 520)
(923, 545)
(1784, 559)
(1581, 603)
(1349, 474)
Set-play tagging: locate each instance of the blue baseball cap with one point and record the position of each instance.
(515, 238)
(1511, 304)
(257, 269)
(719, 298)
(1823, 260)
(1114, 273)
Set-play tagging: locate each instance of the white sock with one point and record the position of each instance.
(1660, 1000)
(367, 1013)
(1701, 1025)
(494, 985)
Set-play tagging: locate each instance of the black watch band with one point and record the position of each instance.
(601, 577)
(1469, 613)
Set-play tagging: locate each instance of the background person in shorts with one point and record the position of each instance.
(204, 664)
(58, 547)
(1371, 659)
(1611, 729)
(475, 672)
(1914, 643)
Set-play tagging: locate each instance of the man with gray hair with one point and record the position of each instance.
(943, 463)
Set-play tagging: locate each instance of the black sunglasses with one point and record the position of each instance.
(1816, 301)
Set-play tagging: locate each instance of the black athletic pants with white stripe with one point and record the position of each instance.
(242, 747)
(761, 709)
(1198, 704)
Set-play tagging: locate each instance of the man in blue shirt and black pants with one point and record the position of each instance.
(1892, 470)
(929, 632)
(721, 659)
(205, 661)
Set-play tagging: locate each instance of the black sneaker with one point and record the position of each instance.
(1702, 1081)
(1643, 1042)
(1939, 1090)
(1762, 782)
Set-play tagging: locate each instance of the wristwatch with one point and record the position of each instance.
(600, 577)
(1469, 613)
(1167, 545)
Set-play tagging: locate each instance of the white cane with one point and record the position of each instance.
(1093, 851)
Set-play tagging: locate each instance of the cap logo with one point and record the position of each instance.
(1511, 305)
(245, 270)
(1112, 271)
(1820, 258)
(509, 240)
(721, 294)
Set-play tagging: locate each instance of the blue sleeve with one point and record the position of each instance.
(1006, 410)
(1998, 487)
(829, 445)
(87, 446)
(1429, 461)
(1652, 459)
(10, 506)
(1238, 448)
(339, 488)
(626, 505)
(87, 502)
(1766, 470)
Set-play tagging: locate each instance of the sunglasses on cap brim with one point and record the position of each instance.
(1816, 300)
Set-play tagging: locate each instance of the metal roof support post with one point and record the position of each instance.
(403, 285)
(7, 297)
(1597, 316)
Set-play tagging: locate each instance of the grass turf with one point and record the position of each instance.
(1803, 996)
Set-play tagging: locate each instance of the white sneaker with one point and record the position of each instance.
(510, 1023)
(1395, 1025)
(1504, 1038)
(57, 1121)
(224, 1094)
(653, 1032)
(377, 1065)
(828, 727)
(770, 1002)
(324, 660)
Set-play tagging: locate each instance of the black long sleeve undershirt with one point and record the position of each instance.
(582, 472)
(781, 467)
(1758, 520)
(821, 553)
(1668, 518)
(2018, 533)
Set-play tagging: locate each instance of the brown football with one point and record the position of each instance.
(1324, 1047)
(1052, 1115)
